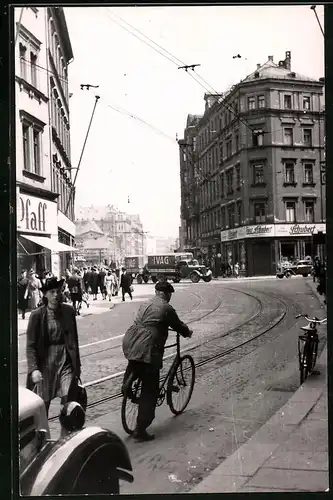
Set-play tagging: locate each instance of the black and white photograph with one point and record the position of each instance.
(170, 166)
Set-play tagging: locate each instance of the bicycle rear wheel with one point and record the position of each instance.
(304, 348)
(130, 405)
(313, 352)
(181, 384)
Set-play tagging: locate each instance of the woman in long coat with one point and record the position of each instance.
(52, 349)
(35, 287)
(23, 293)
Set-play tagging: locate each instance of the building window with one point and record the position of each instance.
(251, 103)
(309, 211)
(258, 174)
(261, 101)
(238, 177)
(229, 175)
(236, 106)
(257, 138)
(287, 102)
(231, 213)
(26, 148)
(221, 151)
(290, 173)
(307, 137)
(306, 102)
(288, 136)
(222, 185)
(223, 217)
(259, 213)
(237, 142)
(23, 62)
(308, 173)
(239, 212)
(290, 211)
(37, 151)
(229, 148)
(33, 68)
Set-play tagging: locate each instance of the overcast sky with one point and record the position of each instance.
(126, 158)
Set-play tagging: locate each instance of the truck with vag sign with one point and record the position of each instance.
(135, 265)
(175, 267)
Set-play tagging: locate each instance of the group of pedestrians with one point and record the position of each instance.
(29, 290)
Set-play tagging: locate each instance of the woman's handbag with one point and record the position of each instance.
(78, 393)
(132, 288)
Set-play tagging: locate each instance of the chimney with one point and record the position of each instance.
(258, 65)
(287, 60)
(270, 58)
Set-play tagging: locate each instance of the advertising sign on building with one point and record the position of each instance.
(272, 230)
(298, 229)
(36, 215)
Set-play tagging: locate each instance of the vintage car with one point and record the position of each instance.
(91, 460)
(300, 267)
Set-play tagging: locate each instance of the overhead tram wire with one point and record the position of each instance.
(173, 60)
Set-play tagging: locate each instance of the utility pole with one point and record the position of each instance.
(83, 148)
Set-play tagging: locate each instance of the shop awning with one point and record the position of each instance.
(42, 241)
(46, 242)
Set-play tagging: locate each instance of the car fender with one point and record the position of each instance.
(65, 459)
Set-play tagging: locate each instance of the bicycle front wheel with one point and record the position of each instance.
(181, 384)
(130, 405)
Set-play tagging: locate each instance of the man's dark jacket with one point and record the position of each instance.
(145, 340)
(37, 339)
(126, 281)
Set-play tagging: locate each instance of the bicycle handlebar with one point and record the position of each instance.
(311, 320)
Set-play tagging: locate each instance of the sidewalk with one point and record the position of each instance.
(289, 453)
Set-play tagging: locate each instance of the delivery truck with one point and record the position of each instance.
(135, 265)
(175, 267)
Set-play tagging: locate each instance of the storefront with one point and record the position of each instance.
(258, 249)
(37, 234)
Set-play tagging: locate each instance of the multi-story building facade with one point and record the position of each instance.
(38, 198)
(255, 163)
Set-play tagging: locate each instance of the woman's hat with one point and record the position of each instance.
(52, 284)
(164, 286)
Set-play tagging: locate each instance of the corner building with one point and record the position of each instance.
(40, 199)
(253, 171)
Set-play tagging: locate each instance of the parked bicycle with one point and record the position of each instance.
(177, 386)
(308, 346)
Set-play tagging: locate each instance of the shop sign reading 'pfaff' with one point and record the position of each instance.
(35, 215)
(277, 230)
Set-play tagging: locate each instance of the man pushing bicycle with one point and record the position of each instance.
(143, 347)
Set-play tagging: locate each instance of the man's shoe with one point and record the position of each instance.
(143, 436)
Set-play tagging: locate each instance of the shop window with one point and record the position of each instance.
(287, 102)
(290, 173)
(261, 101)
(257, 138)
(307, 137)
(251, 103)
(309, 211)
(288, 136)
(259, 213)
(229, 175)
(290, 211)
(258, 174)
(238, 177)
(306, 102)
(308, 173)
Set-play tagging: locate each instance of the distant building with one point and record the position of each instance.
(252, 170)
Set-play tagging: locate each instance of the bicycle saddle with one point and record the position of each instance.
(307, 328)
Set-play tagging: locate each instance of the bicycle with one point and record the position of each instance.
(174, 381)
(308, 346)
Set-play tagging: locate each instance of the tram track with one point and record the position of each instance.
(210, 358)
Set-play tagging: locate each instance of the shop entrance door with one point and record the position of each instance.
(261, 258)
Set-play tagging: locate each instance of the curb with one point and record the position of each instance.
(237, 469)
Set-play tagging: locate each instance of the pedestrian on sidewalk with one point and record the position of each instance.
(84, 294)
(110, 284)
(52, 349)
(94, 282)
(23, 293)
(75, 288)
(101, 283)
(35, 287)
(236, 270)
(143, 347)
(126, 284)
